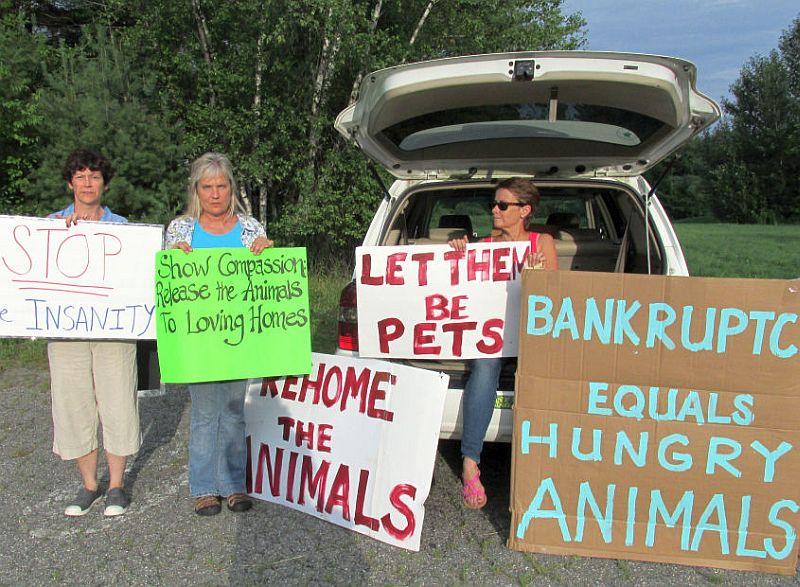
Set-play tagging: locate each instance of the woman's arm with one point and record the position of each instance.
(548, 248)
(179, 234)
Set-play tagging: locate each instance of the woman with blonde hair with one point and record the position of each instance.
(216, 218)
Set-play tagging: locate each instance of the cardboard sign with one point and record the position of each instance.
(658, 419)
(92, 280)
(432, 302)
(353, 443)
(226, 314)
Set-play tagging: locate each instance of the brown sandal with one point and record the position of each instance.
(239, 502)
(207, 505)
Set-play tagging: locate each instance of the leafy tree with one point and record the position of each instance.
(684, 191)
(21, 55)
(63, 21)
(738, 196)
(790, 52)
(765, 130)
(95, 97)
(263, 81)
(746, 168)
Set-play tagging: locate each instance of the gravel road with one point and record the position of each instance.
(160, 541)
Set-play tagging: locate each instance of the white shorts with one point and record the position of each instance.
(91, 382)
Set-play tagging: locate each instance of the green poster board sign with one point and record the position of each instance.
(227, 314)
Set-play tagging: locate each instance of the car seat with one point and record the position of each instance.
(564, 220)
(457, 223)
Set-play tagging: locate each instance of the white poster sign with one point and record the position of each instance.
(432, 302)
(91, 280)
(353, 443)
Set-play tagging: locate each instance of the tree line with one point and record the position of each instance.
(746, 168)
(155, 83)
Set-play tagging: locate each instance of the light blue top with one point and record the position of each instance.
(181, 230)
(204, 240)
(108, 215)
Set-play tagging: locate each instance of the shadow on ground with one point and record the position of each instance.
(159, 416)
(495, 475)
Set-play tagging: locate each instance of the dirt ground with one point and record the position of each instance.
(160, 541)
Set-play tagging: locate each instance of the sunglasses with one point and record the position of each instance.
(504, 205)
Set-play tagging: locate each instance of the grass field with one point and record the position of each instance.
(324, 288)
(734, 250)
(16, 352)
(712, 250)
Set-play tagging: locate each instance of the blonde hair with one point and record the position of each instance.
(209, 165)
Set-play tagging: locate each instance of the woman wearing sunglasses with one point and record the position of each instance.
(512, 209)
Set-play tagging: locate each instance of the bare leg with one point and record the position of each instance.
(116, 470)
(87, 467)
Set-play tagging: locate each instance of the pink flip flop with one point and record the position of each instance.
(472, 488)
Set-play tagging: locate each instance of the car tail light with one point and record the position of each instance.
(348, 318)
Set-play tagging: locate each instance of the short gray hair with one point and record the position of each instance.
(211, 164)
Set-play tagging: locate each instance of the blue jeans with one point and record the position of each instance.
(480, 393)
(217, 452)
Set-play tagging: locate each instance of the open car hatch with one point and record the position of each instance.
(559, 114)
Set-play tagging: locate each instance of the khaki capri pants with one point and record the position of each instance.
(91, 382)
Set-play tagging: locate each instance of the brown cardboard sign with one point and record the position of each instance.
(658, 419)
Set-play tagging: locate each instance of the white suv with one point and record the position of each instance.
(583, 125)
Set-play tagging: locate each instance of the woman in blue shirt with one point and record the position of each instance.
(216, 218)
(93, 381)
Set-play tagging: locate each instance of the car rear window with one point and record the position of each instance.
(470, 209)
(552, 206)
(582, 122)
(471, 203)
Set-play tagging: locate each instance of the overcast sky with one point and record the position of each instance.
(718, 36)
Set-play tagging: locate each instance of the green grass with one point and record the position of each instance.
(741, 250)
(712, 250)
(325, 285)
(16, 352)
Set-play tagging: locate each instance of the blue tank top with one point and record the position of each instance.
(204, 240)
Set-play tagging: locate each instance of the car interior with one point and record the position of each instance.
(594, 229)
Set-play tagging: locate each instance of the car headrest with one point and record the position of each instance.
(456, 221)
(564, 220)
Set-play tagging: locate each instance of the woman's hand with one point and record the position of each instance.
(183, 246)
(536, 260)
(459, 244)
(73, 218)
(260, 244)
